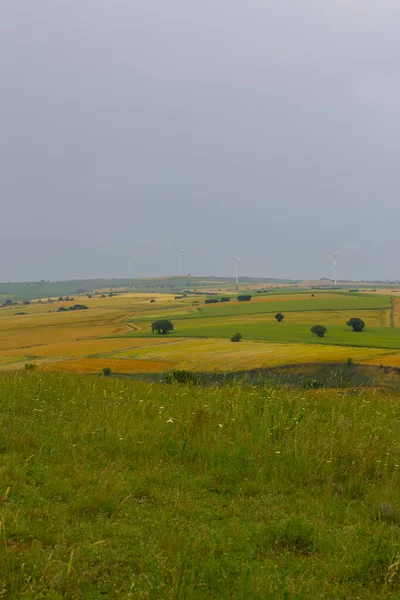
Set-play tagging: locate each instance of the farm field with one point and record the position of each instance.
(117, 328)
(321, 301)
(373, 337)
(222, 355)
(96, 365)
(123, 489)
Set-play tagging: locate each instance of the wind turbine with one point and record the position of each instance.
(131, 260)
(237, 260)
(334, 257)
(180, 254)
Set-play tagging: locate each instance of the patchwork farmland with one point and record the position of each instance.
(115, 332)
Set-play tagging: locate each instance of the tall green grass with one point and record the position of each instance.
(122, 489)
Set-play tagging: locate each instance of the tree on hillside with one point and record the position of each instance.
(279, 317)
(163, 326)
(356, 323)
(319, 330)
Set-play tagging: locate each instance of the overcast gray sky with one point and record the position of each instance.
(133, 126)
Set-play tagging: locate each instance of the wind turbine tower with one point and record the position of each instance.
(180, 253)
(237, 260)
(334, 257)
(131, 260)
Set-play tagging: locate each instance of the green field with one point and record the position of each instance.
(120, 489)
(255, 320)
(377, 337)
(298, 303)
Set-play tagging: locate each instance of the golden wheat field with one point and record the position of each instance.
(96, 365)
(211, 354)
(389, 359)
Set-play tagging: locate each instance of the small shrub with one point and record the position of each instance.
(236, 337)
(211, 301)
(350, 361)
(225, 299)
(294, 535)
(279, 317)
(30, 366)
(244, 298)
(78, 307)
(313, 384)
(107, 371)
(319, 330)
(180, 376)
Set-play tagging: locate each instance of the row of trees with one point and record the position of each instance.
(355, 323)
(216, 300)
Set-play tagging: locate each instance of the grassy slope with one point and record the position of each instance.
(127, 490)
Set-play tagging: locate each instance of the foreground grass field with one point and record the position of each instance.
(120, 489)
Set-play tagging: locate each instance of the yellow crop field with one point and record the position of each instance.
(395, 312)
(96, 365)
(28, 331)
(211, 354)
(389, 359)
(5, 361)
(82, 348)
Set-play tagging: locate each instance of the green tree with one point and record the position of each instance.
(162, 326)
(356, 323)
(236, 337)
(279, 317)
(319, 330)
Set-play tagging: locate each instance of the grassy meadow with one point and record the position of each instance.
(121, 489)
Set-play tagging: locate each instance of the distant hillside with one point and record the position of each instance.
(50, 289)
